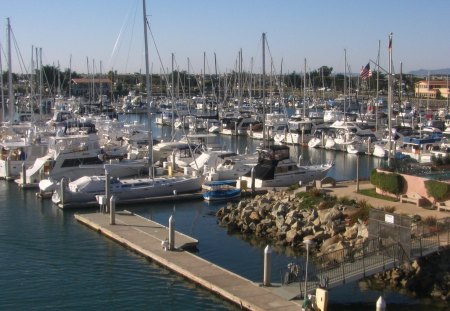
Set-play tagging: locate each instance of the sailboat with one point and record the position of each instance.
(20, 144)
(85, 188)
(275, 168)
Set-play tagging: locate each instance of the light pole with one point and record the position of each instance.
(307, 243)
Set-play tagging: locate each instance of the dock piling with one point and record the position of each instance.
(267, 264)
(112, 209)
(171, 233)
(381, 304)
(63, 189)
(8, 167)
(252, 174)
(107, 190)
(24, 174)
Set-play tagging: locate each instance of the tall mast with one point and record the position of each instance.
(32, 80)
(70, 76)
(173, 97)
(390, 98)
(304, 89)
(401, 81)
(147, 69)
(10, 82)
(147, 85)
(345, 80)
(378, 86)
(1, 87)
(40, 81)
(189, 79)
(264, 86)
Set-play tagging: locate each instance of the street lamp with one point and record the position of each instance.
(307, 243)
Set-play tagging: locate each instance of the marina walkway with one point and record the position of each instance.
(145, 236)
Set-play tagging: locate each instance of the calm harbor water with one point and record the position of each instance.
(50, 262)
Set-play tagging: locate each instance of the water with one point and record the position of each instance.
(49, 261)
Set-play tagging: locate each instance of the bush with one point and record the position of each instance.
(314, 197)
(361, 213)
(374, 177)
(391, 182)
(439, 191)
(389, 209)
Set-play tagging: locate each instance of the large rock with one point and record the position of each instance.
(328, 215)
(292, 236)
(329, 242)
(279, 221)
(254, 216)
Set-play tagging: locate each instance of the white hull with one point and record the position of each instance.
(304, 175)
(126, 189)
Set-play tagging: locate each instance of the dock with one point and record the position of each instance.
(145, 237)
(167, 198)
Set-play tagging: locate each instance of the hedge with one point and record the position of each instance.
(391, 182)
(440, 191)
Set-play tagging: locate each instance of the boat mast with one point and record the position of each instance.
(390, 99)
(70, 76)
(32, 82)
(1, 87)
(10, 82)
(345, 82)
(147, 84)
(264, 86)
(378, 86)
(40, 82)
(304, 89)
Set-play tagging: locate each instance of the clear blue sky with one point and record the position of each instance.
(318, 30)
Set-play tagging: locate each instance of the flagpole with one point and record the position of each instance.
(390, 99)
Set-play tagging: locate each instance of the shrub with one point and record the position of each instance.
(439, 191)
(389, 209)
(314, 197)
(361, 213)
(430, 221)
(374, 177)
(392, 182)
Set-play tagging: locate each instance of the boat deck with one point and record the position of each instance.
(145, 236)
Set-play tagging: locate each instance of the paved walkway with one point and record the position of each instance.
(348, 189)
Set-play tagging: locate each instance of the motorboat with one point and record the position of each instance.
(275, 168)
(72, 155)
(221, 190)
(85, 188)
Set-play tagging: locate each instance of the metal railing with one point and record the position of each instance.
(362, 260)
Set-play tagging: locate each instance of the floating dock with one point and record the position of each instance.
(145, 237)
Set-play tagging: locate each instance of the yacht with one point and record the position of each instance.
(237, 126)
(275, 168)
(75, 154)
(85, 189)
(18, 151)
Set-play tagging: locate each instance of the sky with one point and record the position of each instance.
(87, 33)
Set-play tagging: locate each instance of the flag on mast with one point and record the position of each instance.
(365, 72)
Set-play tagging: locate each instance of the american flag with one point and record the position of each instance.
(365, 72)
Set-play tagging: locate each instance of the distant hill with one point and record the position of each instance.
(424, 72)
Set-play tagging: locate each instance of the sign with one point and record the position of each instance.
(389, 218)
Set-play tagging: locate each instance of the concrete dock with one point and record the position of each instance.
(145, 237)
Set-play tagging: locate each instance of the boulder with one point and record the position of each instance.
(292, 236)
(254, 216)
(329, 242)
(331, 214)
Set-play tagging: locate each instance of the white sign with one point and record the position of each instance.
(389, 218)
